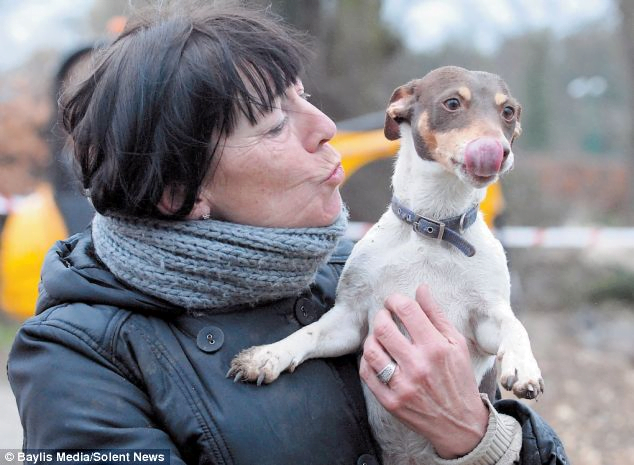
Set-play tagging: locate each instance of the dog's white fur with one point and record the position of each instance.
(392, 258)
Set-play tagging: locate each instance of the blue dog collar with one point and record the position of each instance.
(448, 230)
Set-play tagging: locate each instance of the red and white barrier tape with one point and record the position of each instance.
(521, 237)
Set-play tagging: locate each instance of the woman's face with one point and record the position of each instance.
(280, 172)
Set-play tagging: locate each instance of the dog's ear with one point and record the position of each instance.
(518, 126)
(399, 110)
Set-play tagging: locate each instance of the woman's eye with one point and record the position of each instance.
(305, 95)
(508, 113)
(452, 104)
(279, 128)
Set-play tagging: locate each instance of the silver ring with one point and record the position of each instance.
(385, 375)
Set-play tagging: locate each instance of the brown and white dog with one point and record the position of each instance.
(456, 129)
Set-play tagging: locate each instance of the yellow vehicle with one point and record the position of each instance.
(27, 235)
(33, 228)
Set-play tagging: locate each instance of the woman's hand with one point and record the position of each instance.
(433, 390)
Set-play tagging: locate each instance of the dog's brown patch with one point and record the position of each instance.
(428, 136)
(465, 93)
(501, 98)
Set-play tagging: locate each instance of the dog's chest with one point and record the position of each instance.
(459, 284)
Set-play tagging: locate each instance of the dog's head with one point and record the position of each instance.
(464, 120)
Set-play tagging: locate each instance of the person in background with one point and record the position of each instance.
(55, 210)
(219, 226)
(74, 207)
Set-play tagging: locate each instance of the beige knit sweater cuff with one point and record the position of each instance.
(500, 445)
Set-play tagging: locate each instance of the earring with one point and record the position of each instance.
(206, 216)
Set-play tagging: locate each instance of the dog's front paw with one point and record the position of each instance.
(523, 377)
(261, 364)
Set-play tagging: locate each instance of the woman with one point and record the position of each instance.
(218, 228)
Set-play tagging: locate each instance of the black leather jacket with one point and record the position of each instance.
(104, 366)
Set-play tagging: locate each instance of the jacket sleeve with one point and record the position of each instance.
(71, 395)
(500, 445)
(515, 435)
(540, 443)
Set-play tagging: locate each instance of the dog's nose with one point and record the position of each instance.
(484, 156)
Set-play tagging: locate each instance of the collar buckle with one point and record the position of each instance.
(429, 229)
(461, 224)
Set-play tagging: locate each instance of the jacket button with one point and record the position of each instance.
(367, 459)
(305, 311)
(210, 339)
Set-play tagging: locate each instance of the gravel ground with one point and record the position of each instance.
(588, 368)
(587, 359)
(585, 348)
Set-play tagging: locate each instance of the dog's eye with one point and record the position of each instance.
(508, 113)
(452, 104)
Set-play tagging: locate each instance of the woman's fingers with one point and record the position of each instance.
(409, 311)
(434, 314)
(375, 359)
(422, 318)
(375, 355)
(368, 375)
(390, 337)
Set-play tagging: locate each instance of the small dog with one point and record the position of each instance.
(456, 128)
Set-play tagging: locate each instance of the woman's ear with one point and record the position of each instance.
(173, 198)
(201, 210)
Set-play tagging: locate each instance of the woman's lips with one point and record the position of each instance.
(337, 175)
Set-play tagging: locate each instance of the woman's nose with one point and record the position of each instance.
(318, 128)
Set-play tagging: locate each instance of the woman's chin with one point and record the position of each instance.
(326, 215)
(333, 209)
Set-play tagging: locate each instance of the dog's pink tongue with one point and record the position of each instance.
(484, 156)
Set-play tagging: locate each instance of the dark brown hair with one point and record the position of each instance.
(162, 96)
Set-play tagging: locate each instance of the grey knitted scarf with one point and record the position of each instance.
(212, 265)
